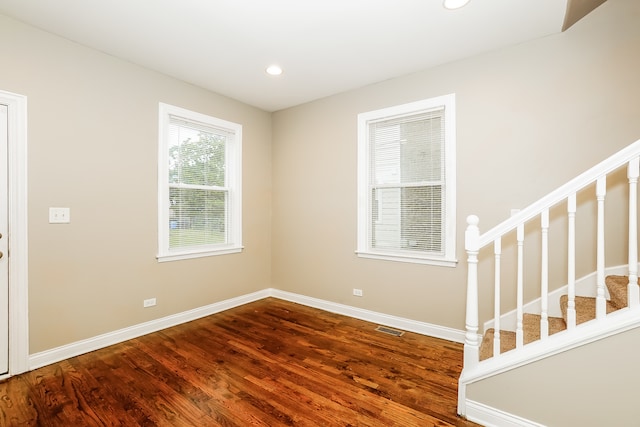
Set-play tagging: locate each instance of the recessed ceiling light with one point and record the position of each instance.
(454, 4)
(274, 70)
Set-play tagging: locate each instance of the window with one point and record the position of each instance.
(406, 182)
(199, 185)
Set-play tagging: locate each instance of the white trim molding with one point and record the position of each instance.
(380, 154)
(408, 325)
(57, 354)
(169, 118)
(17, 235)
(492, 417)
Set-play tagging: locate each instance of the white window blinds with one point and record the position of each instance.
(406, 182)
(198, 193)
(199, 185)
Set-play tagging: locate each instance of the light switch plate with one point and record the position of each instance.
(59, 215)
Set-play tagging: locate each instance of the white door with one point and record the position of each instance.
(4, 246)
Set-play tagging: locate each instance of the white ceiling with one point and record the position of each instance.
(324, 46)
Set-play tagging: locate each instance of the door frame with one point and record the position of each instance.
(17, 233)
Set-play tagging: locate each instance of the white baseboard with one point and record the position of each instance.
(492, 417)
(57, 354)
(409, 325)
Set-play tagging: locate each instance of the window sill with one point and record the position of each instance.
(177, 256)
(441, 262)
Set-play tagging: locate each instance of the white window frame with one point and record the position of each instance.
(233, 162)
(365, 211)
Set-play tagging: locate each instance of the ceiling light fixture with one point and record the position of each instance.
(274, 70)
(454, 4)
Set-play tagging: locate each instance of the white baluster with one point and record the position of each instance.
(601, 301)
(520, 284)
(497, 246)
(544, 274)
(472, 340)
(571, 255)
(633, 172)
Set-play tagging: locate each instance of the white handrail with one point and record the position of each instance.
(562, 193)
(474, 242)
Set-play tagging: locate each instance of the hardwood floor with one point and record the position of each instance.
(268, 363)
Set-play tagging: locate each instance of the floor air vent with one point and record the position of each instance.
(394, 332)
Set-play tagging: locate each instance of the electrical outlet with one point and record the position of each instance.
(149, 302)
(59, 215)
(357, 292)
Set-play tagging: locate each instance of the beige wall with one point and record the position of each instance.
(590, 386)
(92, 135)
(529, 118)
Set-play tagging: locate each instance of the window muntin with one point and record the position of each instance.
(199, 185)
(406, 182)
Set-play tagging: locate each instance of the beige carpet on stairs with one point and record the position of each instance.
(617, 286)
(585, 311)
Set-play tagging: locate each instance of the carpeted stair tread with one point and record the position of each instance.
(585, 308)
(585, 311)
(617, 286)
(507, 342)
(531, 329)
(531, 323)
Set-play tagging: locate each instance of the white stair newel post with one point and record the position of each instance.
(571, 256)
(601, 300)
(633, 172)
(472, 246)
(520, 290)
(497, 246)
(544, 274)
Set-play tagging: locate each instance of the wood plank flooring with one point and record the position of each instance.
(268, 363)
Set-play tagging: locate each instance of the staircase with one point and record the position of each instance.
(560, 313)
(585, 308)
